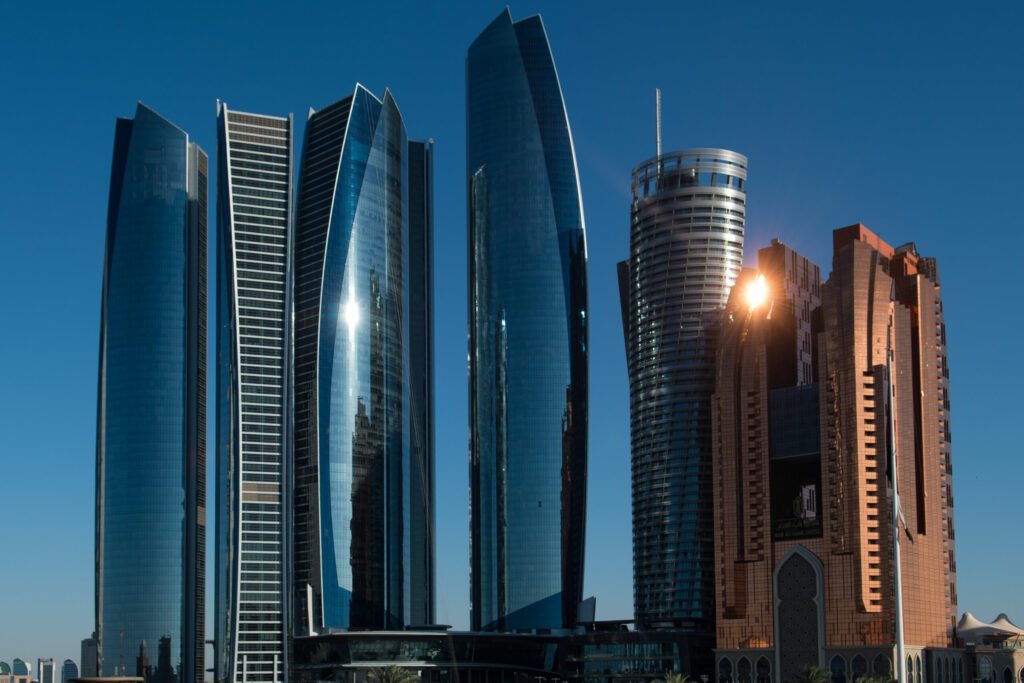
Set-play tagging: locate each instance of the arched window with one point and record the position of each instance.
(859, 668)
(1020, 676)
(724, 671)
(881, 666)
(1007, 675)
(985, 670)
(838, 669)
(949, 664)
(743, 670)
(917, 669)
(764, 671)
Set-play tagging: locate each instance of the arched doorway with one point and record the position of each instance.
(799, 621)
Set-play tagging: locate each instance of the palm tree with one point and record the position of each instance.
(392, 674)
(673, 677)
(812, 674)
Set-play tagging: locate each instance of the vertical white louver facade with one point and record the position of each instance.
(255, 214)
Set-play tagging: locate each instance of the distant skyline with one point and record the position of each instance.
(904, 118)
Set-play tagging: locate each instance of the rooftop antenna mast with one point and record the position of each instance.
(657, 120)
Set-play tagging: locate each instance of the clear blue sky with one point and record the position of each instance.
(908, 120)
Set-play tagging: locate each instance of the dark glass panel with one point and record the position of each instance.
(528, 335)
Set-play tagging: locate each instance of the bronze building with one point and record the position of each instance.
(805, 424)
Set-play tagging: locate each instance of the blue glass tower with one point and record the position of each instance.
(151, 418)
(363, 516)
(528, 335)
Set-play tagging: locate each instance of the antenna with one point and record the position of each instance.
(657, 119)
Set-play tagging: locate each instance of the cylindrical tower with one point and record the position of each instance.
(686, 251)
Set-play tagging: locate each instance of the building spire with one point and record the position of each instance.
(657, 120)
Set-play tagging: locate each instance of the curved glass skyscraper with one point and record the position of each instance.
(151, 423)
(363, 442)
(686, 251)
(253, 361)
(528, 335)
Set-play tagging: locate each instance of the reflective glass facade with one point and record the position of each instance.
(253, 335)
(363, 525)
(151, 431)
(593, 655)
(68, 671)
(431, 657)
(528, 335)
(45, 671)
(686, 251)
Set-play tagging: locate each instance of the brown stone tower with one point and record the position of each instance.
(803, 502)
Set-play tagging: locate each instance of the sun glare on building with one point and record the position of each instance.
(757, 292)
(352, 314)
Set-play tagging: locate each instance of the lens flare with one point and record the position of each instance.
(757, 292)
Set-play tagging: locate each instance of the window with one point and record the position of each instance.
(743, 670)
(859, 668)
(882, 666)
(724, 671)
(838, 668)
(985, 669)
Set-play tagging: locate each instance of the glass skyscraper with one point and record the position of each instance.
(68, 671)
(89, 659)
(363, 441)
(528, 335)
(686, 251)
(253, 354)
(151, 422)
(46, 671)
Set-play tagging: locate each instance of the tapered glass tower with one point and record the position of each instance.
(151, 423)
(528, 335)
(363, 525)
(253, 353)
